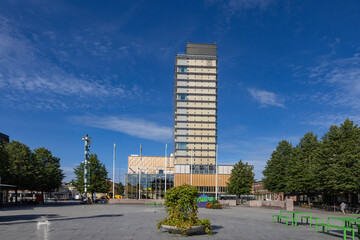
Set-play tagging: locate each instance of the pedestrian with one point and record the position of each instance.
(342, 207)
(11, 199)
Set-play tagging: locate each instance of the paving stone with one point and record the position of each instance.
(137, 222)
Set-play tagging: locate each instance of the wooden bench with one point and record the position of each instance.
(279, 217)
(308, 217)
(337, 227)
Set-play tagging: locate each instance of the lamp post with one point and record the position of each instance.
(114, 173)
(165, 165)
(140, 172)
(87, 140)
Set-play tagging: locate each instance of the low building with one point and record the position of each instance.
(262, 194)
(153, 173)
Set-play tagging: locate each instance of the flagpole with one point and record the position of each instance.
(114, 172)
(165, 166)
(192, 153)
(140, 172)
(216, 172)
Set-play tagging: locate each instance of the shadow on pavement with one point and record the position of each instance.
(32, 218)
(26, 218)
(215, 228)
(13, 207)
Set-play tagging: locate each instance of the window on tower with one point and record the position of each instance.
(182, 69)
(182, 96)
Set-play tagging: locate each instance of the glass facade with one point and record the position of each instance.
(203, 169)
(152, 185)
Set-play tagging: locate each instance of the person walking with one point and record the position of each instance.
(342, 207)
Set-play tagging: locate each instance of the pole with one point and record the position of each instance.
(140, 172)
(87, 140)
(216, 173)
(192, 153)
(165, 166)
(114, 172)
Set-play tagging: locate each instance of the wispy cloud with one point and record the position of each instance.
(239, 6)
(341, 77)
(26, 71)
(266, 98)
(325, 120)
(132, 126)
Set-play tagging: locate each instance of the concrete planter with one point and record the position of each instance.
(177, 230)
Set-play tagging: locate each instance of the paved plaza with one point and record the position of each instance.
(96, 222)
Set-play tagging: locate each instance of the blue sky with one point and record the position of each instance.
(68, 68)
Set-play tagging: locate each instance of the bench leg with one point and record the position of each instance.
(310, 221)
(353, 234)
(286, 221)
(344, 234)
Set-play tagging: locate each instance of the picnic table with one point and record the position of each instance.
(295, 215)
(346, 225)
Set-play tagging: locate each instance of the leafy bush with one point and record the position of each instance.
(181, 206)
(213, 205)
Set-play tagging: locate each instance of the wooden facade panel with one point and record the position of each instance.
(201, 179)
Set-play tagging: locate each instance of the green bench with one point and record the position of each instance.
(311, 218)
(279, 217)
(337, 227)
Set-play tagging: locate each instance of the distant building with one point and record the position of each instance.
(262, 194)
(5, 138)
(195, 132)
(195, 105)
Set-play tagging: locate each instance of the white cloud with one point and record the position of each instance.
(266, 98)
(341, 79)
(239, 6)
(26, 71)
(132, 126)
(325, 120)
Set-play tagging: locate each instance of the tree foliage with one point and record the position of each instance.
(275, 170)
(331, 165)
(21, 168)
(241, 179)
(339, 159)
(97, 176)
(301, 172)
(36, 170)
(49, 176)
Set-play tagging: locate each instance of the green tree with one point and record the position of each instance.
(22, 167)
(49, 175)
(4, 164)
(275, 169)
(97, 176)
(121, 188)
(241, 179)
(301, 173)
(339, 156)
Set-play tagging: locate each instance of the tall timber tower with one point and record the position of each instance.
(195, 105)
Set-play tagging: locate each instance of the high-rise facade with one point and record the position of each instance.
(195, 105)
(195, 133)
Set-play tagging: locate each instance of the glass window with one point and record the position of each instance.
(182, 69)
(181, 145)
(182, 96)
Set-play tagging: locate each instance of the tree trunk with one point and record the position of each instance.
(42, 197)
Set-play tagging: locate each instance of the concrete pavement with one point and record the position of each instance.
(138, 222)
